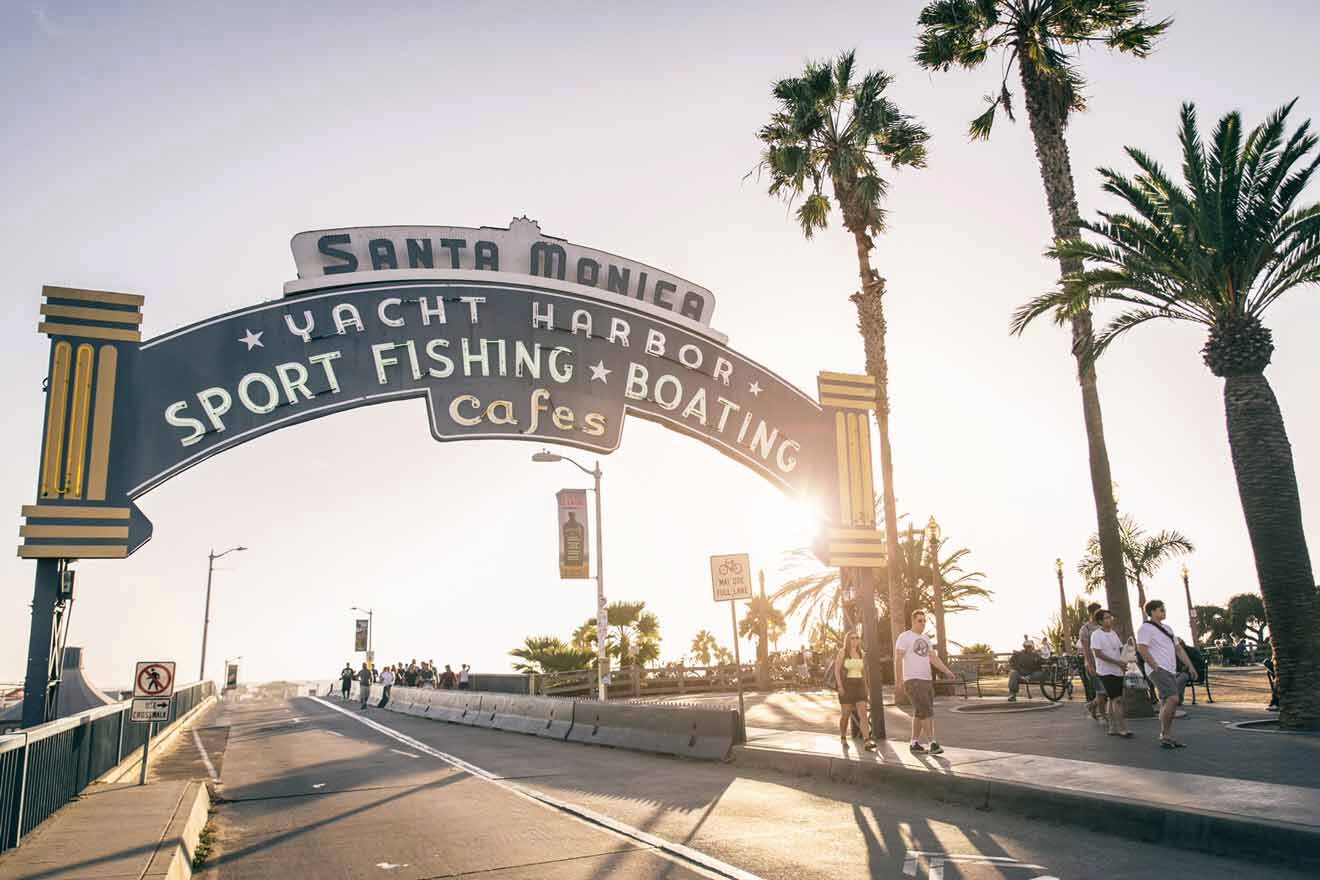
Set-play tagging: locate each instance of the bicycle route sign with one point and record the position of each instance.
(731, 577)
(154, 678)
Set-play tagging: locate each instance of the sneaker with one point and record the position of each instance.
(935, 748)
(869, 745)
(1012, 698)
(1167, 744)
(843, 743)
(917, 748)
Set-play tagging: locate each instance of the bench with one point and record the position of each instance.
(966, 670)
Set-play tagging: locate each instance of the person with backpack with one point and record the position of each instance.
(1162, 652)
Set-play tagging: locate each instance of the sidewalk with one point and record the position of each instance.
(1193, 811)
(115, 831)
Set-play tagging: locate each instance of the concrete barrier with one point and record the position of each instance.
(689, 732)
(491, 706)
(549, 717)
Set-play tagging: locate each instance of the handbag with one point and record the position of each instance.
(1129, 653)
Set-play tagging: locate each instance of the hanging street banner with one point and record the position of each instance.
(231, 676)
(731, 577)
(574, 557)
(516, 343)
(360, 635)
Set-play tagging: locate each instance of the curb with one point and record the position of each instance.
(174, 855)
(133, 761)
(1203, 831)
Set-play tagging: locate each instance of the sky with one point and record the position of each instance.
(172, 150)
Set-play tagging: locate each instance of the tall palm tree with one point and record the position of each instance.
(1041, 37)
(1143, 555)
(704, 646)
(1218, 250)
(832, 135)
(634, 630)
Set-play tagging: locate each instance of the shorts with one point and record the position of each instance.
(1112, 685)
(1167, 684)
(854, 692)
(922, 694)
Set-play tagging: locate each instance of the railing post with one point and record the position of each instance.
(119, 749)
(22, 790)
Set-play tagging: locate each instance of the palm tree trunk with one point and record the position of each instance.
(1047, 125)
(871, 323)
(1267, 485)
(1141, 596)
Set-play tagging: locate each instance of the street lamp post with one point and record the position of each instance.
(937, 588)
(1191, 611)
(602, 659)
(206, 616)
(1063, 607)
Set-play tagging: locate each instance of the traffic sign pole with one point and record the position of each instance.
(737, 659)
(146, 746)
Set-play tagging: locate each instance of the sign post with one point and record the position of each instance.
(153, 688)
(731, 580)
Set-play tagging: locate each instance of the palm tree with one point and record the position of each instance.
(1062, 636)
(1042, 37)
(833, 133)
(1143, 556)
(761, 611)
(635, 630)
(1218, 251)
(541, 654)
(704, 646)
(817, 592)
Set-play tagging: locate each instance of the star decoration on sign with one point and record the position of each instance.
(754, 389)
(599, 372)
(252, 340)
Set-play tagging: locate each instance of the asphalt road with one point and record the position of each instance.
(309, 791)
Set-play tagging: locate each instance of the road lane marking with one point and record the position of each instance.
(405, 754)
(937, 860)
(674, 852)
(206, 759)
(335, 732)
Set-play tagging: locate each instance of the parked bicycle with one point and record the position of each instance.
(1059, 672)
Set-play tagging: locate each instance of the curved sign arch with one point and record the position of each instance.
(505, 333)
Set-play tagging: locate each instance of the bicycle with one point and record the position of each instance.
(1057, 681)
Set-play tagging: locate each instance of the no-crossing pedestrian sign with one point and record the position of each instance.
(150, 709)
(154, 678)
(731, 577)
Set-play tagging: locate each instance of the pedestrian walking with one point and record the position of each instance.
(345, 680)
(464, 677)
(1106, 649)
(447, 678)
(364, 683)
(850, 676)
(1090, 676)
(914, 656)
(1162, 652)
(386, 683)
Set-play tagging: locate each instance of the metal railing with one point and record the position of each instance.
(42, 767)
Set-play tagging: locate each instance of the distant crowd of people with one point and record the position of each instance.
(411, 674)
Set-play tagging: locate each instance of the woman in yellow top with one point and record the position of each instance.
(849, 675)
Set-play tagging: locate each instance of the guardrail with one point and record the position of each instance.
(42, 767)
(705, 732)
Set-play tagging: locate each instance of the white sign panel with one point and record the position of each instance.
(731, 577)
(150, 709)
(154, 678)
(523, 249)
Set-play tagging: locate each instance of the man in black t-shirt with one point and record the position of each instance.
(1023, 665)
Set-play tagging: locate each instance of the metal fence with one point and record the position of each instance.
(42, 767)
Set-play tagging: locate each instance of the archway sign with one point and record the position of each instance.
(505, 333)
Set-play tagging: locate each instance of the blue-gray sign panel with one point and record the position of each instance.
(492, 360)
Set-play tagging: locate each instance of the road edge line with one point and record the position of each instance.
(676, 851)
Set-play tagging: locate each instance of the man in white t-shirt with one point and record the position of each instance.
(913, 656)
(1162, 651)
(1106, 655)
(386, 684)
